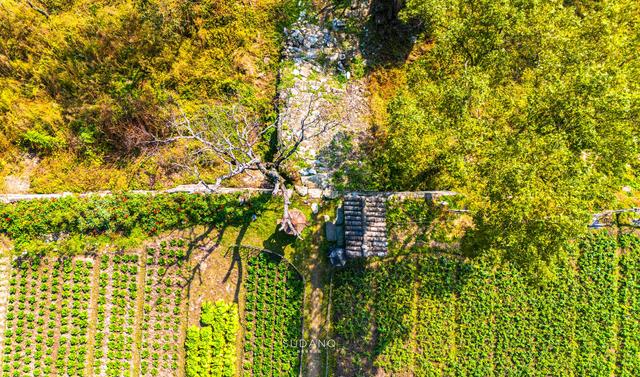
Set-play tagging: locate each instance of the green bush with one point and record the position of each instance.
(28, 222)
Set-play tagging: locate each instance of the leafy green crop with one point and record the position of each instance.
(435, 315)
(45, 299)
(272, 318)
(211, 348)
(165, 307)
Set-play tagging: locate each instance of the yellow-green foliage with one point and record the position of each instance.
(211, 348)
(529, 108)
(89, 82)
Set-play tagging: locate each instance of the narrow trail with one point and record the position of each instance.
(315, 319)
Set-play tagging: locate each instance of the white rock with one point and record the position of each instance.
(330, 193)
(315, 193)
(302, 190)
(314, 208)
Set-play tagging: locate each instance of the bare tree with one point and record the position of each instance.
(234, 138)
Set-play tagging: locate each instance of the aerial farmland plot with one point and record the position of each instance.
(111, 314)
(435, 314)
(319, 188)
(184, 302)
(127, 313)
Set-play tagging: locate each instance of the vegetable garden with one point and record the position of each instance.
(124, 314)
(432, 315)
(164, 305)
(47, 318)
(54, 304)
(272, 317)
(114, 335)
(98, 309)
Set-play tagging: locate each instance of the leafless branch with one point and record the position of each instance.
(39, 10)
(233, 139)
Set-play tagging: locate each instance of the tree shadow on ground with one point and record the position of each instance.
(201, 245)
(386, 40)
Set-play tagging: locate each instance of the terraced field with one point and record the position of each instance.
(431, 315)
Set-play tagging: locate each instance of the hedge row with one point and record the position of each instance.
(122, 213)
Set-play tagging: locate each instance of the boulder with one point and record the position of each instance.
(337, 257)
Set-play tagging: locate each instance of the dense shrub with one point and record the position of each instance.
(529, 108)
(92, 81)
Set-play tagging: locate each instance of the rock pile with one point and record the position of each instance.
(314, 92)
(324, 47)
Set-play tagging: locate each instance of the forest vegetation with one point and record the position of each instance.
(85, 85)
(530, 109)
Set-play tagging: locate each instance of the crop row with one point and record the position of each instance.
(114, 343)
(629, 296)
(164, 305)
(429, 315)
(47, 318)
(272, 317)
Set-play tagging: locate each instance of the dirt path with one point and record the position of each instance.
(315, 320)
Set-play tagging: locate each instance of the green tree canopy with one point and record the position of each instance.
(531, 108)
